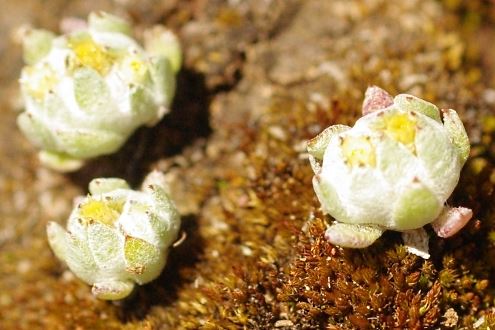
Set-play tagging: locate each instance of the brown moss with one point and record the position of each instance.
(233, 148)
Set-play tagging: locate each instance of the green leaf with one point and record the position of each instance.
(415, 207)
(35, 130)
(412, 103)
(91, 91)
(85, 143)
(329, 199)
(457, 133)
(104, 185)
(163, 79)
(36, 45)
(144, 260)
(318, 145)
(104, 22)
(112, 290)
(352, 236)
(106, 243)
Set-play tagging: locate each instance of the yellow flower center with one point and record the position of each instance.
(136, 65)
(359, 151)
(90, 54)
(105, 212)
(401, 127)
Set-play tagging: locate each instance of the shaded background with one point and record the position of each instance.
(260, 78)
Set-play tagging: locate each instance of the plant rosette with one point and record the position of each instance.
(117, 237)
(87, 91)
(395, 169)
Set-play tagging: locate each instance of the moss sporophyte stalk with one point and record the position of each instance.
(117, 237)
(87, 91)
(395, 169)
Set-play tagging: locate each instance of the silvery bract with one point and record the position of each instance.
(395, 169)
(87, 91)
(116, 236)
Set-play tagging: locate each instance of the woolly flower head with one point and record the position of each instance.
(394, 169)
(117, 237)
(87, 91)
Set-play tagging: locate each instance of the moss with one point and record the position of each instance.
(255, 256)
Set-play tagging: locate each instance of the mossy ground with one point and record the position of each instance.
(260, 78)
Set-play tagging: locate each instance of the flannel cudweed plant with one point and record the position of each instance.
(395, 169)
(87, 91)
(117, 237)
